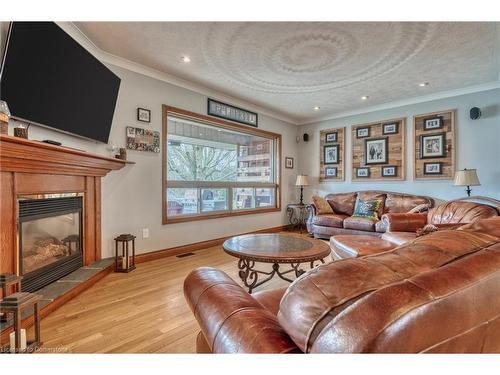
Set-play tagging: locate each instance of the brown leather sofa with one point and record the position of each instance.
(438, 293)
(402, 227)
(342, 222)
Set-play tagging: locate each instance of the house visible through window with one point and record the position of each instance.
(213, 168)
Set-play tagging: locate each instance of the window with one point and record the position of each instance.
(214, 168)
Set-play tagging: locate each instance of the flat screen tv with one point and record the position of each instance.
(47, 78)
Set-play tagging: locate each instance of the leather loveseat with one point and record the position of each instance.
(402, 227)
(437, 293)
(341, 220)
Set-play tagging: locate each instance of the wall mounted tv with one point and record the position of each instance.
(47, 78)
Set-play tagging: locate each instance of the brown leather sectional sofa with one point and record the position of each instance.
(437, 293)
(342, 222)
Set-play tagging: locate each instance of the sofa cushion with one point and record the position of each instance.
(322, 206)
(370, 195)
(330, 220)
(395, 203)
(399, 238)
(360, 223)
(367, 208)
(459, 212)
(349, 246)
(342, 203)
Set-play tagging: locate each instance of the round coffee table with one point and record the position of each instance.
(276, 249)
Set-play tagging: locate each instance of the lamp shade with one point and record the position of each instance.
(302, 180)
(466, 177)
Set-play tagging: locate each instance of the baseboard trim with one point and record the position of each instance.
(172, 251)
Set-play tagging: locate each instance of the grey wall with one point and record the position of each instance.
(478, 146)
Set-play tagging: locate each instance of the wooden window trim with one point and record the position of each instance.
(169, 110)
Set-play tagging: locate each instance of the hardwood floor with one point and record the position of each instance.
(140, 312)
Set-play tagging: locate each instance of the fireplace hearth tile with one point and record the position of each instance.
(80, 274)
(101, 264)
(56, 289)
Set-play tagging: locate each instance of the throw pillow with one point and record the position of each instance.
(322, 206)
(367, 208)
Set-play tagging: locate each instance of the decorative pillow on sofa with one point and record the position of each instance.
(322, 205)
(367, 208)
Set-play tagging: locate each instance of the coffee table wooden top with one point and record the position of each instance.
(276, 248)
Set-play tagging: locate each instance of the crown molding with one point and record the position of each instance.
(404, 102)
(109, 58)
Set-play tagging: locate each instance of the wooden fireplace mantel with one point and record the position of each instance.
(31, 167)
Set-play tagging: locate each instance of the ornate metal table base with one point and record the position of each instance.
(297, 216)
(250, 276)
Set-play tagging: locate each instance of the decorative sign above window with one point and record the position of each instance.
(229, 112)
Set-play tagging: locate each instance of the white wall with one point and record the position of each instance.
(131, 197)
(478, 147)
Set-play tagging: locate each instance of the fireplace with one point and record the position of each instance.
(50, 238)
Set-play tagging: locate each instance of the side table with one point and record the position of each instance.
(297, 216)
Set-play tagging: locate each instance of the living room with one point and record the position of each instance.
(196, 186)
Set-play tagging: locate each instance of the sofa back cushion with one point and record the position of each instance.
(312, 303)
(322, 205)
(342, 203)
(400, 203)
(460, 212)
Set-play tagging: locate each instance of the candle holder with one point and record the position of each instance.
(124, 261)
(21, 132)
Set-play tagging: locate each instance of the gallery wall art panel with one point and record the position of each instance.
(434, 145)
(332, 152)
(378, 150)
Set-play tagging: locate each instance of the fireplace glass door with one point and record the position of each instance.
(50, 239)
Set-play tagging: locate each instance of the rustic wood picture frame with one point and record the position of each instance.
(396, 150)
(340, 165)
(448, 162)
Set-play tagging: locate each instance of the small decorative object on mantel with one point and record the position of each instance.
(122, 154)
(302, 181)
(143, 115)
(467, 177)
(15, 304)
(232, 113)
(139, 139)
(21, 131)
(124, 260)
(4, 117)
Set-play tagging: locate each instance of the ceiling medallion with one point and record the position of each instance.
(311, 57)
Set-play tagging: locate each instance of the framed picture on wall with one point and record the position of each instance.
(331, 171)
(288, 163)
(391, 128)
(433, 123)
(390, 171)
(331, 137)
(363, 172)
(376, 151)
(143, 115)
(362, 132)
(331, 154)
(433, 168)
(432, 146)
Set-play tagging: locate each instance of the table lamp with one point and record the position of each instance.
(467, 177)
(302, 181)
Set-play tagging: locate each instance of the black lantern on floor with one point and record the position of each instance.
(124, 261)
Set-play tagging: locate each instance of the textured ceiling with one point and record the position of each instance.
(290, 67)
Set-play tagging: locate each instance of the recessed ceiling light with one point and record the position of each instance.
(423, 84)
(185, 59)
(364, 97)
(317, 108)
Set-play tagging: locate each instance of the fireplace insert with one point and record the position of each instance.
(50, 239)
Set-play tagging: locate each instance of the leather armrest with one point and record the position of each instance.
(404, 222)
(232, 320)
